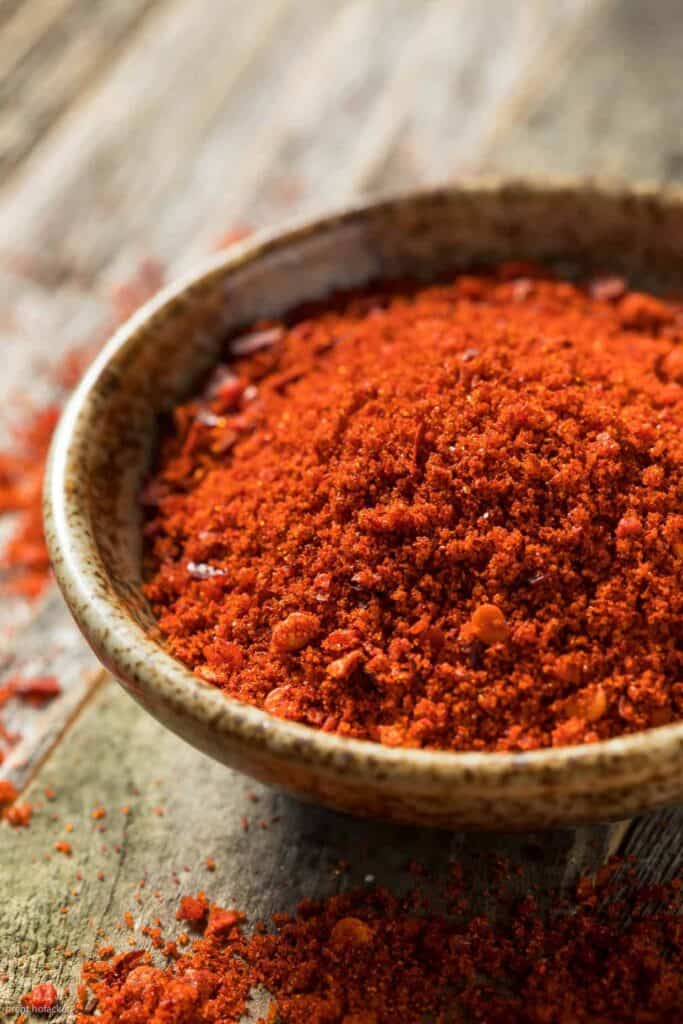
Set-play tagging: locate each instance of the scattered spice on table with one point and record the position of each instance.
(446, 517)
(8, 793)
(24, 563)
(36, 690)
(18, 815)
(193, 909)
(369, 957)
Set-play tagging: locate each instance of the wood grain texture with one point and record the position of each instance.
(51, 51)
(458, 82)
(612, 107)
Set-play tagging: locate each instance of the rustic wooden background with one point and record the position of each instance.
(132, 129)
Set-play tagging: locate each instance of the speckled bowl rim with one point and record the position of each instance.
(134, 655)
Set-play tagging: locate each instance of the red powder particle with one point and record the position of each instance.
(41, 998)
(342, 668)
(97, 813)
(221, 921)
(488, 624)
(37, 690)
(18, 815)
(640, 311)
(350, 931)
(193, 908)
(444, 512)
(8, 793)
(63, 847)
(154, 935)
(295, 632)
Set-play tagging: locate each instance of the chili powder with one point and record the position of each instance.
(371, 957)
(447, 517)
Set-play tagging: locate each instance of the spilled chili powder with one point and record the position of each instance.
(369, 957)
(24, 562)
(448, 517)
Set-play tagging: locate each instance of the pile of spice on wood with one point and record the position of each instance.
(368, 957)
(447, 517)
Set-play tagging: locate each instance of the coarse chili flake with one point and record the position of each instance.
(447, 517)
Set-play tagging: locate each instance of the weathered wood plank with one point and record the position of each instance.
(142, 766)
(50, 53)
(614, 107)
(25, 29)
(655, 842)
(95, 184)
(465, 65)
(439, 84)
(8, 8)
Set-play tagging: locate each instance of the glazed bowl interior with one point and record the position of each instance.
(106, 441)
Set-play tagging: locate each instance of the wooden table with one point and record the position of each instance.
(140, 128)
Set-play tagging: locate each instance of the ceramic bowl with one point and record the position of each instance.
(107, 436)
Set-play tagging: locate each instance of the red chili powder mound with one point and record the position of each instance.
(449, 518)
(367, 957)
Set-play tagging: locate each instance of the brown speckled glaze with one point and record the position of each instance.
(104, 442)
